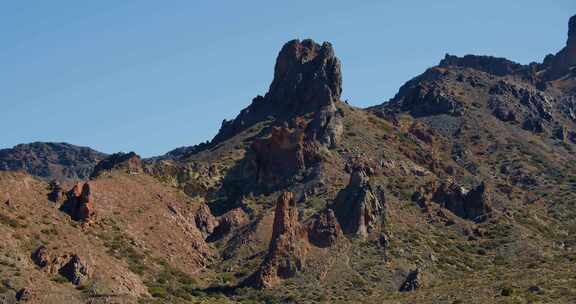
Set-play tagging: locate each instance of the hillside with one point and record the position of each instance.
(460, 189)
(60, 161)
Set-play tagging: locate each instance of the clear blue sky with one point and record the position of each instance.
(150, 76)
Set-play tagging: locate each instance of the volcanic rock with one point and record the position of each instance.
(205, 221)
(80, 203)
(286, 254)
(60, 161)
(278, 157)
(474, 205)
(487, 64)
(226, 223)
(358, 207)
(324, 229)
(76, 271)
(564, 61)
(307, 79)
(414, 281)
(127, 162)
(24, 295)
(41, 257)
(56, 190)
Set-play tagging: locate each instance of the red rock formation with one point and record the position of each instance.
(80, 203)
(279, 156)
(324, 229)
(286, 254)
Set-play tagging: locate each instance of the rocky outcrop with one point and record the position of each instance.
(475, 205)
(563, 62)
(24, 295)
(286, 253)
(41, 257)
(488, 64)
(278, 157)
(79, 203)
(70, 266)
(56, 191)
(76, 271)
(126, 162)
(478, 202)
(205, 221)
(307, 79)
(425, 99)
(360, 206)
(526, 105)
(324, 229)
(414, 281)
(232, 219)
(51, 161)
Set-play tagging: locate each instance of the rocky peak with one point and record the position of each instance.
(307, 75)
(572, 30)
(128, 162)
(561, 64)
(307, 79)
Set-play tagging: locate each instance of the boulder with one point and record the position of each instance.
(414, 281)
(41, 256)
(324, 229)
(24, 295)
(76, 271)
(56, 191)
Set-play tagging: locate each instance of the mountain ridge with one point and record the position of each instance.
(460, 188)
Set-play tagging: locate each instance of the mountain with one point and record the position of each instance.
(460, 189)
(49, 161)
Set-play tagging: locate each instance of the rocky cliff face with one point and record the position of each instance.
(563, 62)
(360, 207)
(50, 161)
(79, 203)
(307, 79)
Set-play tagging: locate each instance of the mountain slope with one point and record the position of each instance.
(60, 161)
(458, 190)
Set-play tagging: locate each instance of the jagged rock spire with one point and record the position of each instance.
(306, 75)
(307, 78)
(572, 30)
(561, 64)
